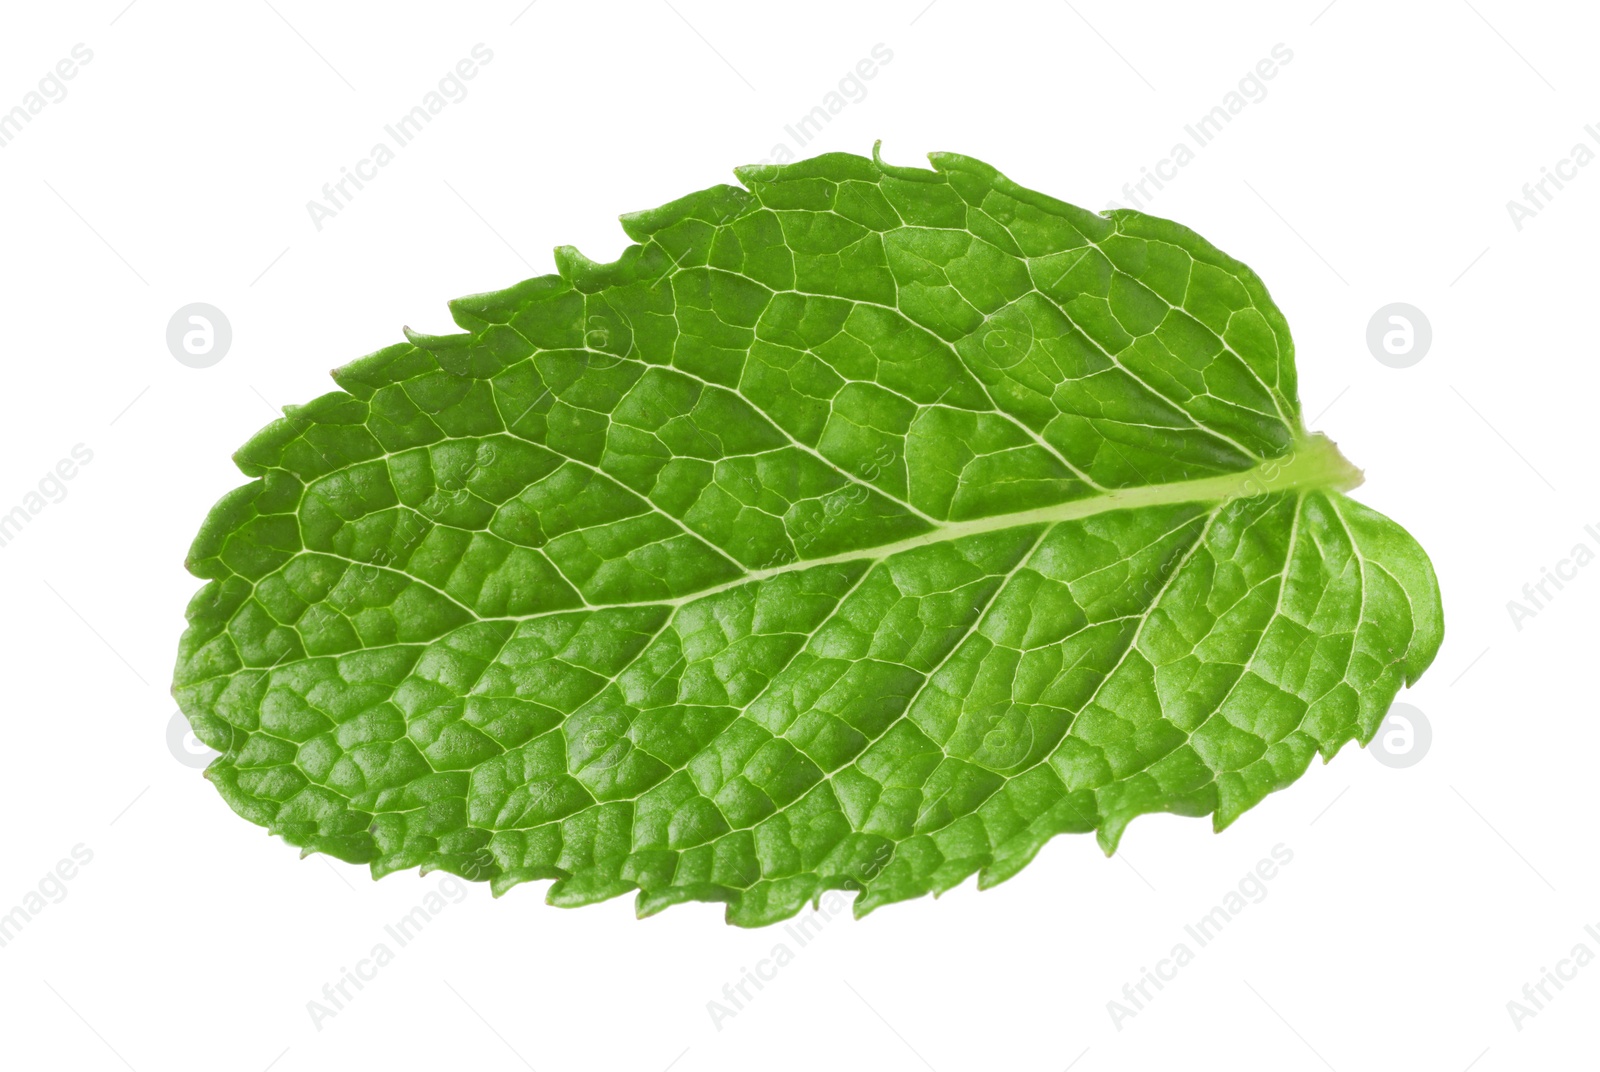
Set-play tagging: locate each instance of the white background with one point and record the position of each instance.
(1377, 169)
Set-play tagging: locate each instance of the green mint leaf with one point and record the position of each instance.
(862, 528)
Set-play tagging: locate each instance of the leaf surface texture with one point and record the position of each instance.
(861, 527)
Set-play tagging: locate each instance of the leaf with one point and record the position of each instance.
(861, 529)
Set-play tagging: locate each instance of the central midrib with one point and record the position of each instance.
(1313, 463)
